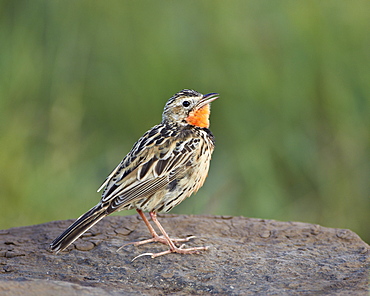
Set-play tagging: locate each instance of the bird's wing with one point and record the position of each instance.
(132, 160)
(154, 162)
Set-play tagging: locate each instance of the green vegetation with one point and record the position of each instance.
(81, 81)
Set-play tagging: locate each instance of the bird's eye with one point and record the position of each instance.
(186, 103)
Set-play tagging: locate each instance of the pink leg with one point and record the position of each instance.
(150, 227)
(155, 237)
(170, 243)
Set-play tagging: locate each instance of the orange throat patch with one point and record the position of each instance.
(199, 117)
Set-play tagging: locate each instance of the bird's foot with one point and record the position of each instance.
(180, 250)
(158, 239)
(164, 239)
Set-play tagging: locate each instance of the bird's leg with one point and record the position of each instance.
(170, 243)
(147, 223)
(155, 237)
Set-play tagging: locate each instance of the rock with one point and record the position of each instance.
(246, 257)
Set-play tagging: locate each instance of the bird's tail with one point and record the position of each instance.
(79, 227)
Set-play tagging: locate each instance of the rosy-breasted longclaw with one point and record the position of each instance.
(166, 165)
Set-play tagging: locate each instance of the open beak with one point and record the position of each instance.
(208, 98)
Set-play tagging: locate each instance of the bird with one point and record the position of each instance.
(166, 165)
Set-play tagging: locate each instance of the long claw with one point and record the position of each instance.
(141, 255)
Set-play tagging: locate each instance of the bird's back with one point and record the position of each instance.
(164, 167)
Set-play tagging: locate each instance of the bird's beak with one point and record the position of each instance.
(208, 98)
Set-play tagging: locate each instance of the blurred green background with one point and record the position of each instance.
(81, 81)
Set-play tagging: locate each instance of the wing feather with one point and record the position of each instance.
(154, 168)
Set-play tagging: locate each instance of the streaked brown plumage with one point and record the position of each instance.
(165, 166)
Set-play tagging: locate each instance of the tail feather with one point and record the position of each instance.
(79, 227)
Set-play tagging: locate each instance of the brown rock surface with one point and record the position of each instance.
(246, 257)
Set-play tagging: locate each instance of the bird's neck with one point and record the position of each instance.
(199, 117)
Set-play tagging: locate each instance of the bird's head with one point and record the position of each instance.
(189, 107)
